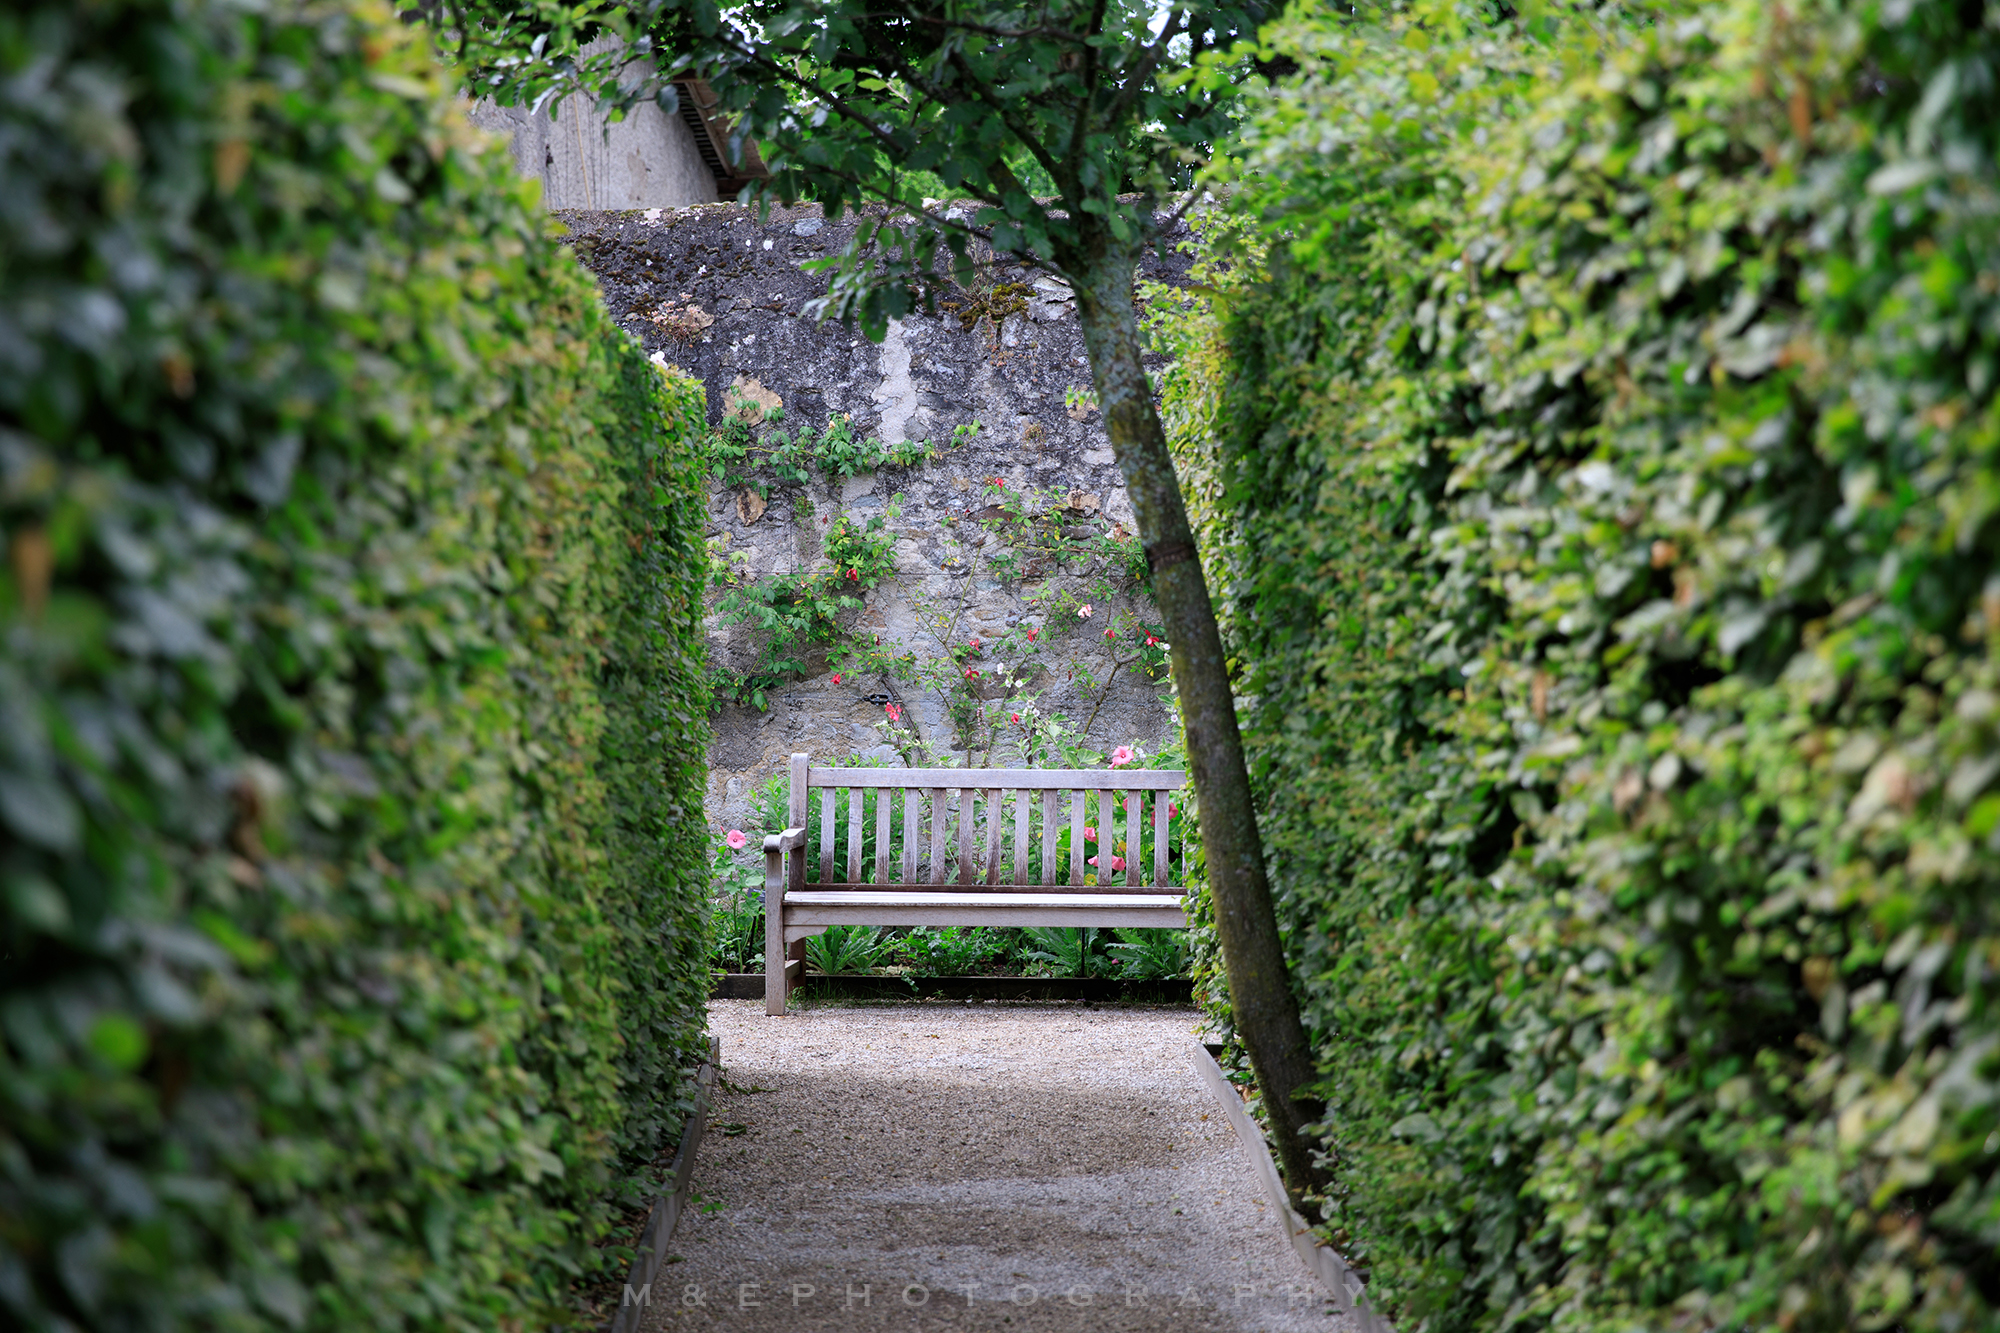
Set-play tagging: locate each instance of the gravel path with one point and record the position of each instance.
(1017, 1167)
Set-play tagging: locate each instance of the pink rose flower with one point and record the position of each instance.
(836, 678)
(1091, 862)
(1117, 864)
(735, 838)
(1089, 833)
(1015, 718)
(1122, 756)
(1084, 610)
(1172, 809)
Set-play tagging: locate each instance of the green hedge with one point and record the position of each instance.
(351, 694)
(1595, 436)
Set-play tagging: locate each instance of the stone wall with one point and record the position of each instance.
(719, 292)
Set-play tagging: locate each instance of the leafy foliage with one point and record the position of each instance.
(802, 612)
(352, 713)
(956, 951)
(846, 950)
(1603, 467)
(737, 453)
(1067, 951)
(855, 104)
(1151, 955)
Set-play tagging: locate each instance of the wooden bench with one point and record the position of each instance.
(991, 887)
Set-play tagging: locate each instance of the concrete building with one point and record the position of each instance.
(648, 160)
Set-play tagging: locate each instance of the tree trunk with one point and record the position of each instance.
(1260, 992)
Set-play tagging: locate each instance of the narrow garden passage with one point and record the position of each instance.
(993, 1166)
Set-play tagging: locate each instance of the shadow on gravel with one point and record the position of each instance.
(1018, 1168)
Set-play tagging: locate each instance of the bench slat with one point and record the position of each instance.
(1077, 801)
(935, 870)
(986, 910)
(864, 895)
(1048, 837)
(883, 800)
(1073, 918)
(1107, 835)
(987, 797)
(1134, 840)
(1023, 808)
(1033, 779)
(854, 803)
(967, 872)
(826, 834)
(983, 890)
(989, 802)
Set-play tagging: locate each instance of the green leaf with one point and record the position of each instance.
(119, 1041)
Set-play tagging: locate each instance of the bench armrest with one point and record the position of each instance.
(777, 847)
(790, 840)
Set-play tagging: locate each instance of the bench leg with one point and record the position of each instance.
(795, 965)
(776, 989)
(777, 981)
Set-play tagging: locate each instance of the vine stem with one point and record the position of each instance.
(1105, 692)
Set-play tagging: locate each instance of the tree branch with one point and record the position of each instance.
(833, 100)
(1147, 64)
(1080, 128)
(1056, 34)
(1048, 161)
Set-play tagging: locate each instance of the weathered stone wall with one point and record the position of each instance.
(932, 374)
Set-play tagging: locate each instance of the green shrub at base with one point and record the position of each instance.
(1600, 477)
(351, 694)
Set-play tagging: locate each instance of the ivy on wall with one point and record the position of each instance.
(1074, 573)
(352, 704)
(1070, 565)
(1595, 444)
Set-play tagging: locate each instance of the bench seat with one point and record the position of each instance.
(794, 910)
(821, 908)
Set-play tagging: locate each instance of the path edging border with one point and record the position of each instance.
(1323, 1260)
(651, 1251)
(750, 986)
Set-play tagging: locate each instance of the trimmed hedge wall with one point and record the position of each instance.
(1596, 439)
(352, 711)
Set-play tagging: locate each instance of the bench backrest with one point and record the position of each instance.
(1135, 805)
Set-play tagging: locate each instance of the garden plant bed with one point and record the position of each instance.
(750, 985)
